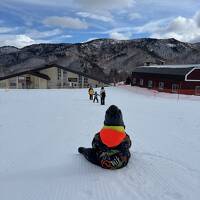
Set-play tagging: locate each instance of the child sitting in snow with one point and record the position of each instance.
(110, 147)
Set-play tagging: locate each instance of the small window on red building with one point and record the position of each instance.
(175, 88)
(134, 80)
(161, 86)
(141, 82)
(197, 90)
(150, 84)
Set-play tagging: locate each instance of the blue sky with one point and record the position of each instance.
(25, 22)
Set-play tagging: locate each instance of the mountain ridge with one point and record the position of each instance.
(104, 58)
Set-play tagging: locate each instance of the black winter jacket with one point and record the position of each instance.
(115, 157)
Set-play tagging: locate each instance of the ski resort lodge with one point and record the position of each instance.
(181, 79)
(49, 77)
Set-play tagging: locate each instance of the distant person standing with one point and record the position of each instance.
(96, 97)
(102, 95)
(91, 93)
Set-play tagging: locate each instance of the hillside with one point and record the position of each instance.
(104, 58)
(40, 131)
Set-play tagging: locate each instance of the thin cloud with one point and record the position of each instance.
(57, 3)
(133, 16)
(119, 36)
(95, 16)
(7, 29)
(65, 22)
(43, 34)
(99, 5)
(152, 26)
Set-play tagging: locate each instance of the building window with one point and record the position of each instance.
(21, 78)
(12, 84)
(80, 78)
(28, 80)
(2, 84)
(141, 82)
(64, 74)
(161, 86)
(85, 80)
(134, 80)
(72, 79)
(87, 85)
(72, 84)
(59, 73)
(197, 90)
(150, 84)
(175, 88)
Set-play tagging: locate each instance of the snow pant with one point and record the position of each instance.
(105, 161)
(91, 97)
(95, 98)
(102, 100)
(91, 155)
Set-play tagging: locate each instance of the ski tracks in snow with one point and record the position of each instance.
(147, 177)
(157, 177)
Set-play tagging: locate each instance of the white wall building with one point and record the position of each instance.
(49, 77)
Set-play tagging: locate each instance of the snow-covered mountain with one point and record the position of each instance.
(8, 49)
(104, 55)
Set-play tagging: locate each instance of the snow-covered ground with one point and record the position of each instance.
(40, 131)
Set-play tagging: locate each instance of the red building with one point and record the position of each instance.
(182, 79)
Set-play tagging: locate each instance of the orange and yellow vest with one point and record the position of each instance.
(112, 136)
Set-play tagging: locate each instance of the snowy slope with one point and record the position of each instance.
(40, 131)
